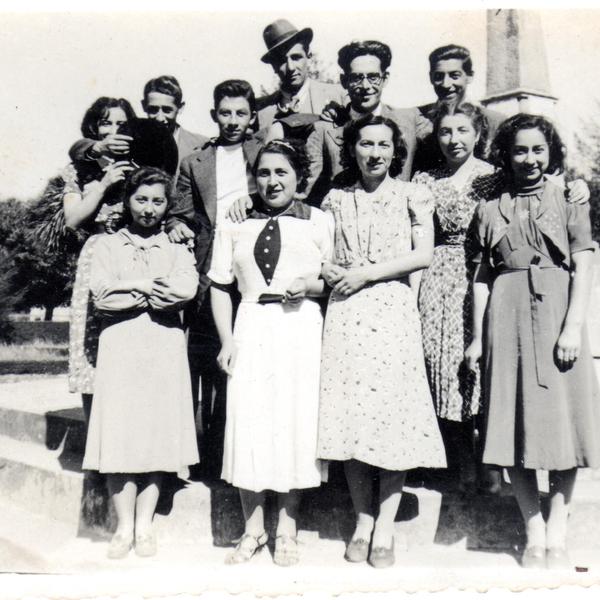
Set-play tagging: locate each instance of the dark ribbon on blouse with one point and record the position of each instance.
(267, 248)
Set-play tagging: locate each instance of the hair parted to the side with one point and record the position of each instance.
(99, 110)
(146, 176)
(234, 88)
(350, 51)
(507, 132)
(474, 114)
(294, 152)
(449, 52)
(351, 136)
(165, 84)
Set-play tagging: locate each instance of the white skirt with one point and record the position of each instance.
(273, 398)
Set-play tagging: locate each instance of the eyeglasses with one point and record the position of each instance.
(355, 79)
(154, 110)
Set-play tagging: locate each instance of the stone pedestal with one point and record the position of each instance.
(517, 73)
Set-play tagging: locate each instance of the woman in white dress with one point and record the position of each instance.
(273, 354)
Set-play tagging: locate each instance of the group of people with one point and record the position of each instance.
(358, 283)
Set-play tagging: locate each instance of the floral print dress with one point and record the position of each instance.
(445, 302)
(375, 404)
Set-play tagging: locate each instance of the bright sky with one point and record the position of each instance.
(55, 65)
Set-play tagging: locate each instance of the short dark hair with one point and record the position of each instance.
(146, 176)
(99, 110)
(507, 132)
(351, 135)
(165, 84)
(294, 152)
(234, 88)
(352, 50)
(452, 51)
(474, 114)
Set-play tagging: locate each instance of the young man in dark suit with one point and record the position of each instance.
(210, 180)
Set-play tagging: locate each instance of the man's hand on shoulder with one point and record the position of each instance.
(180, 233)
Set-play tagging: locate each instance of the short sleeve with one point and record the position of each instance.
(69, 176)
(221, 266)
(421, 178)
(325, 225)
(579, 227)
(328, 201)
(482, 253)
(421, 206)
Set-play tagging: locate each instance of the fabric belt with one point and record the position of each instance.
(540, 314)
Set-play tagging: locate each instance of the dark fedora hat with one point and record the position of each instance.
(280, 33)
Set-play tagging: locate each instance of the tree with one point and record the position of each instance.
(38, 256)
(587, 164)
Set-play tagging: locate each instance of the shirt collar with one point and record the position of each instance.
(154, 241)
(296, 208)
(355, 115)
(287, 99)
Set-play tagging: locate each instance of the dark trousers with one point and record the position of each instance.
(209, 386)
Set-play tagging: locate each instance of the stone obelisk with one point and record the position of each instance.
(517, 69)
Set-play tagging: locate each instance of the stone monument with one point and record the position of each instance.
(517, 69)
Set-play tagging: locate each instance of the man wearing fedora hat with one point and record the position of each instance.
(288, 52)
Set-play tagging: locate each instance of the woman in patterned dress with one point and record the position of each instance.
(444, 293)
(376, 412)
(90, 202)
(542, 401)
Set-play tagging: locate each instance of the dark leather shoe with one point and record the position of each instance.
(534, 557)
(381, 557)
(557, 558)
(357, 550)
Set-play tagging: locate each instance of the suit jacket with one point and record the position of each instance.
(428, 155)
(188, 142)
(319, 95)
(325, 144)
(196, 199)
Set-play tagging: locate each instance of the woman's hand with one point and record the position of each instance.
(296, 291)
(116, 172)
(568, 346)
(226, 357)
(352, 280)
(238, 211)
(473, 354)
(332, 273)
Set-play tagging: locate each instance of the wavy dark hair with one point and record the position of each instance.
(146, 176)
(167, 85)
(507, 132)
(350, 51)
(99, 110)
(234, 88)
(474, 114)
(449, 52)
(351, 136)
(294, 152)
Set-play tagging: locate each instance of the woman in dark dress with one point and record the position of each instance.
(542, 401)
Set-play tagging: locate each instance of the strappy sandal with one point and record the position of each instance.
(286, 551)
(247, 546)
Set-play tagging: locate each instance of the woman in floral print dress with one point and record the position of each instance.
(376, 412)
(444, 294)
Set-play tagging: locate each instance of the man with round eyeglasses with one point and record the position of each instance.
(364, 76)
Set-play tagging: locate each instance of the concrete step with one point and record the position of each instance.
(41, 446)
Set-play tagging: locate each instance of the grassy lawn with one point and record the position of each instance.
(37, 356)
